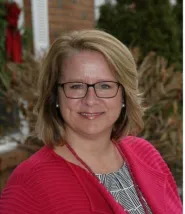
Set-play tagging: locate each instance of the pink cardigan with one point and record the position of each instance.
(48, 184)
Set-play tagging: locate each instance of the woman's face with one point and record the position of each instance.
(90, 116)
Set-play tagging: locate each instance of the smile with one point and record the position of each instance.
(91, 116)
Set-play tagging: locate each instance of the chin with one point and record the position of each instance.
(94, 131)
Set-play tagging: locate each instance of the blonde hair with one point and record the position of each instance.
(50, 125)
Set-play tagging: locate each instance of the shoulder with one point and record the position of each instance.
(143, 151)
(137, 144)
(24, 170)
(23, 189)
(36, 166)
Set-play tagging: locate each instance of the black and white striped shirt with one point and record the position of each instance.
(121, 186)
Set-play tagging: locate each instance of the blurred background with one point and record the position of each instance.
(152, 29)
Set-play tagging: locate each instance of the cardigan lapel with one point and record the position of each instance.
(150, 181)
(100, 199)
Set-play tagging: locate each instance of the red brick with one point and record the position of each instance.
(65, 15)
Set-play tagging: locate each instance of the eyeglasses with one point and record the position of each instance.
(77, 90)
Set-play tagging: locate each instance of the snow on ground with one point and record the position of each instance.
(10, 141)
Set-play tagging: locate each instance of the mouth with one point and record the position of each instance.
(91, 116)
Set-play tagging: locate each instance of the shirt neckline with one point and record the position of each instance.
(110, 173)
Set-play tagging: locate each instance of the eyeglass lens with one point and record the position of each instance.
(102, 89)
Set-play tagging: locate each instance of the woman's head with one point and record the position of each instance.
(88, 56)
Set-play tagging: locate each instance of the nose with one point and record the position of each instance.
(91, 98)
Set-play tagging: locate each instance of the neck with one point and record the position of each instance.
(96, 152)
(89, 146)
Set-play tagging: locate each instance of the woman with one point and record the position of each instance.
(88, 104)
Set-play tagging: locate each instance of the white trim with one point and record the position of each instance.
(40, 26)
(97, 4)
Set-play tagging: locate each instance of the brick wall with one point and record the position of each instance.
(65, 15)
(70, 15)
(28, 24)
(27, 14)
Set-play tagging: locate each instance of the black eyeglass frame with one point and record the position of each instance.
(89, 85)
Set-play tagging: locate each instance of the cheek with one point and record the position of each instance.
(116, 102)
(114, 109)
(67, 106)
(115, 106)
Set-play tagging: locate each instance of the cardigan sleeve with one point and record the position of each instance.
(149, 154)
(16, 200)
(174, 204)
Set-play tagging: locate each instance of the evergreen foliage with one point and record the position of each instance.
(4, 76)
(178, 14)
(150, 25)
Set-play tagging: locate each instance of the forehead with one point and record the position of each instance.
(87, 66)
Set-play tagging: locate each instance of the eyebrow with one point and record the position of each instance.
(98, 80)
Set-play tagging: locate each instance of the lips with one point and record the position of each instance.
(91, 116)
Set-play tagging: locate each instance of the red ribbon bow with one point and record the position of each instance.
(13, 38)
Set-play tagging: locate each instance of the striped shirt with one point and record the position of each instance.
(121, 186)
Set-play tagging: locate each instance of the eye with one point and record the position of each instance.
(77, 86)
(105, 86)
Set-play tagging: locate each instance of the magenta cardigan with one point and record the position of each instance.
(48, 184)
